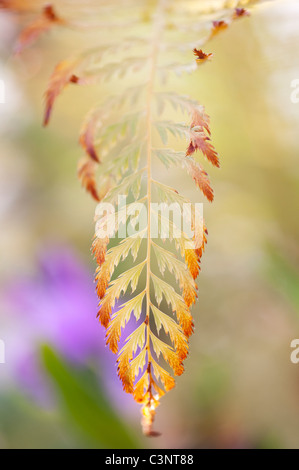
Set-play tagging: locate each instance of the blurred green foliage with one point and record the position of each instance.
(283, 274)
(86, 404)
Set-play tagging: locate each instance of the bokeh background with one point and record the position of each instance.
(58, 387)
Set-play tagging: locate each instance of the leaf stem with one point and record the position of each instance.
(158, 31)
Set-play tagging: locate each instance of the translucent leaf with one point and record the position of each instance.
(174, 330)
(136, 339)
(130, 183)
(162, 289)
(177, 68)
(178, 130)
(169, 325)
(169, 157)
(121, 317)
(124, 127)
(164, 376)
(126, 279)
(174, 232)
(122, 158)
(178, 102)
(169, 195)
(115, 70)
(168, 354)
(138, 363)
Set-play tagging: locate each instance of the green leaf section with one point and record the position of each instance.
(129, 184)
(169, 157)
(176, 129)
(178, 102)
(88, 409)
(116, 70)
(125, 127)
(122, 316)
(127, 278)
(163, 289)
(121, 159)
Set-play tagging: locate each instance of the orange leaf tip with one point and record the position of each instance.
(201, 56)
(40, 25)
(240, 13)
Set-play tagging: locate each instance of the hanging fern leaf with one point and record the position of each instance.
(118, 140)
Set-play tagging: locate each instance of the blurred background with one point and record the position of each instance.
(58, 386)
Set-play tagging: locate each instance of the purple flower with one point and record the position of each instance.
(57, 305)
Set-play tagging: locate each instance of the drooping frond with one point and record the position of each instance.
(146, 281)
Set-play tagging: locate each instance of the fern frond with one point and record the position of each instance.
(138, 279)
